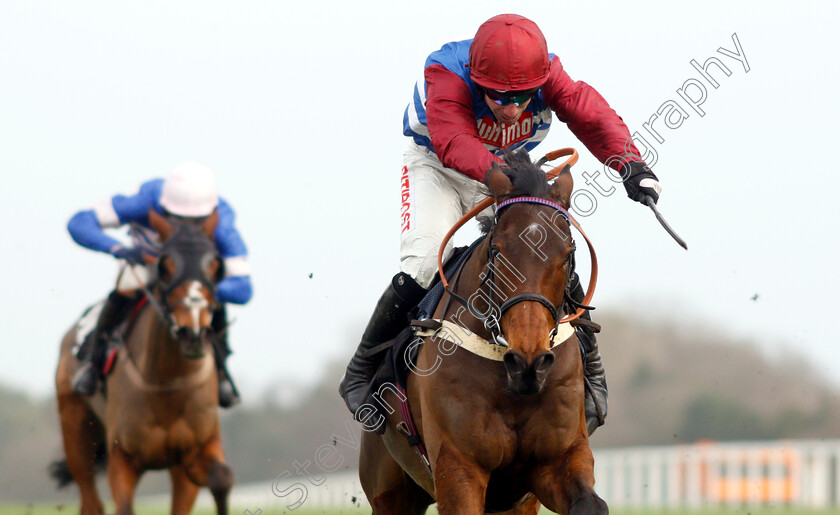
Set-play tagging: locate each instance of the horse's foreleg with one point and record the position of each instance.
(184, 491)
(208, 467)
(123, 478)
(79, 430)
(388, 487)
(567, 485)
(460, 484)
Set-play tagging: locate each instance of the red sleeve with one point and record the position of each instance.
(588, 116)
(452, 125)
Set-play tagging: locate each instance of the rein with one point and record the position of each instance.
(491, 324)
(161, 311)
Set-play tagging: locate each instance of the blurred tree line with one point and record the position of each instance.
(668, 384)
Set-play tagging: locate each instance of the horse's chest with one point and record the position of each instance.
(159, 443)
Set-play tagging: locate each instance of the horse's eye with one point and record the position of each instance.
(216, 270)
(166, 268)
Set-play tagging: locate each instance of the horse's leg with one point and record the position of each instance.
(460, 484)
(388, 488)
(184, 491)
(529, 507)
(79, 429)
(566, 486)
(123, 478)
(208, 467)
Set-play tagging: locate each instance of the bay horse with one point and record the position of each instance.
(505, 434)
(160, 410)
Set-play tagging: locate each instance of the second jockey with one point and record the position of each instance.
(188, 192)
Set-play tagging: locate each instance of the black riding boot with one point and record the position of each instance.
(228, 394)
(593, 368)
(388, 319)
(113, 312)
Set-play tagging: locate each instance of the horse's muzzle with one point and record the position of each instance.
(527, 378)
(191, 342)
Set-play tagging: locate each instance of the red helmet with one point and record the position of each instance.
(509, 54)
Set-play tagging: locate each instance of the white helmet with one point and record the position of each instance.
(190, 190)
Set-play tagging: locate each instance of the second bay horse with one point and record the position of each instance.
(160, 410)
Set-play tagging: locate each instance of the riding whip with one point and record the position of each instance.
(652, 205)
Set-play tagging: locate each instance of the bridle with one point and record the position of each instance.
(181, 250)
(491, 322)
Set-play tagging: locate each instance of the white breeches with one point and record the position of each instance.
(433, 199)
(132, 278)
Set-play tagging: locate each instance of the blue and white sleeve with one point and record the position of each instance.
(86, 226)
(236, 286)
(86, 230)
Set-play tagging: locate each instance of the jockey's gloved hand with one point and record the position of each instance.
(640, 182)
(133, 255)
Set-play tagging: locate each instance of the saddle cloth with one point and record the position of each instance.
(86, 325)
(426, 308)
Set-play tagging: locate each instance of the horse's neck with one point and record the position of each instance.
(155, 351)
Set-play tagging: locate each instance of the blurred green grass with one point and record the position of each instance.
(58, 509)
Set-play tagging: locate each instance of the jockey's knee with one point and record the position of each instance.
(419, 257)
(131, 279)
(423, 271)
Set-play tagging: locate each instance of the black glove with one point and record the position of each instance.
(133, 255)
(640, 182)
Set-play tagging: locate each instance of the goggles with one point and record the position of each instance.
(516, 98)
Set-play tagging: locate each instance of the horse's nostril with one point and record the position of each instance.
(542, 367)
(543, 363)
(515, 363)
(527, 378)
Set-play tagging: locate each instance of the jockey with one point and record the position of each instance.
(189, 192)
(477, 98)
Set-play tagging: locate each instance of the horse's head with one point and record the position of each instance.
(530, 260)
(188, 270)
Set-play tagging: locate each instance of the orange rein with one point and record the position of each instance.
(551, 174)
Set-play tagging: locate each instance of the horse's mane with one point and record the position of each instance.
(527, 179)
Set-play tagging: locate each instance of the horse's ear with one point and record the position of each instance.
(209, 225)
(498, 182)
(561, 188)
(159, 224)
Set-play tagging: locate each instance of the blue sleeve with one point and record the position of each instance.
(135, 208)
(85, 230)
(237, 290)
(228, 241)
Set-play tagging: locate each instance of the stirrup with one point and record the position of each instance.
(227, 395)
(85, 381)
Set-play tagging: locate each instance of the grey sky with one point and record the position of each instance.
(297, 107)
